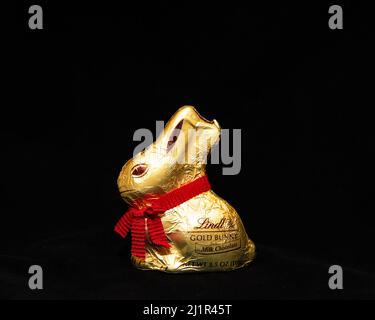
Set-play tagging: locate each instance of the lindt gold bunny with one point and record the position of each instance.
(178, 223)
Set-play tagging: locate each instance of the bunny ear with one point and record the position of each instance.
(185, 120)
(174, 135)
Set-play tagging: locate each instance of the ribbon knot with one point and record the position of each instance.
(153, 212)
(148, 212)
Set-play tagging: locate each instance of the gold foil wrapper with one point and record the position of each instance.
(206, 233)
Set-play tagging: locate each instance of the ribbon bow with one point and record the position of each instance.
(142, 222)
(138, 220)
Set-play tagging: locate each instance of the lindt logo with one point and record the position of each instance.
(224, 223)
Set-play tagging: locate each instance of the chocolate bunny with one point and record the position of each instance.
(178, 223)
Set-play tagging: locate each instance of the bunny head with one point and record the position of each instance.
(178, 156)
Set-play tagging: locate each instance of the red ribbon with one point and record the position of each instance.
(138, 221)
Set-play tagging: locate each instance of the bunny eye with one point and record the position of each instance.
(139, 170)
(175, 133)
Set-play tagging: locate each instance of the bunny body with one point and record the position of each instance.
(205, 232)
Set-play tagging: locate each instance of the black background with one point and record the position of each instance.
(78, 89)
